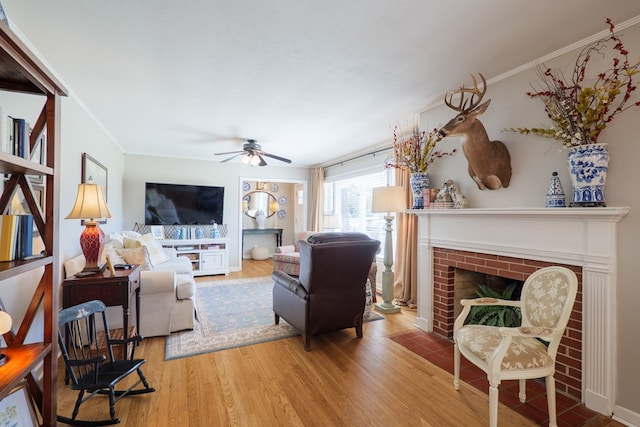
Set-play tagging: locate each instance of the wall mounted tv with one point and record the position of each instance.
(169, 204)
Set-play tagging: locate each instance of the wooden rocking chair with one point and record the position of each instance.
(90, 371)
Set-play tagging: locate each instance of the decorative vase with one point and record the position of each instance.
(588, 166)
(260, 219)
(419, 181)
(555, 195)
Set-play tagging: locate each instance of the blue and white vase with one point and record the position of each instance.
(588, 167)
(555, 194)
(419, 181)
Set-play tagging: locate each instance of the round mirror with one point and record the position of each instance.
(259, 200)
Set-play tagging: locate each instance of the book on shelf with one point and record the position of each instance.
(16, 237)
(8, 228)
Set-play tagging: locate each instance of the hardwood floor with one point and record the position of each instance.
(344, 381)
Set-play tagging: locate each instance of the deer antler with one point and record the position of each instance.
(474, 91)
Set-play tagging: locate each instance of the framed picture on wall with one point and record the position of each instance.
(17, 408)
(97, 172)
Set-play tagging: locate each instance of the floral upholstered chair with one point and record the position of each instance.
(524, 352)
(287, 258)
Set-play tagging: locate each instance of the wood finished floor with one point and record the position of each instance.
(344, 381)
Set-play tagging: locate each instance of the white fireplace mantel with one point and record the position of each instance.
(583, 237)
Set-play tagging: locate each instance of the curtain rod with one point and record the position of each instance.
(370, 153)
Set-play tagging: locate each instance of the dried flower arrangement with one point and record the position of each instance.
(581, 111)
(416, 152)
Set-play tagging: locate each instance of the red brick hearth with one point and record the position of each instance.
(569, 361)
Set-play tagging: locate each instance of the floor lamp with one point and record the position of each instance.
(388, 200)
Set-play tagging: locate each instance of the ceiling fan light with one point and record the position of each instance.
(246, 159)
(255, 160)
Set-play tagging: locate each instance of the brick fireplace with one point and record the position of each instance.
(445, 261)
(513, 243)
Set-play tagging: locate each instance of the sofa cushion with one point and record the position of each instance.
(157, 254)
(180, 264)
(136, 256)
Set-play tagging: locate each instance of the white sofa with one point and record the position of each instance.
(167, 287)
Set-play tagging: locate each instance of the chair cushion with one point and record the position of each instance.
(523, 353)
(290, 257)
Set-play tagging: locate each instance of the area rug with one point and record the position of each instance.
(232, 313)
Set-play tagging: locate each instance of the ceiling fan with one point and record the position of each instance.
(252, 154)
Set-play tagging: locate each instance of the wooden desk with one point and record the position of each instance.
(111, 290)
(276, 231)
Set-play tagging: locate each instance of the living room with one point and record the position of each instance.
(533, 160)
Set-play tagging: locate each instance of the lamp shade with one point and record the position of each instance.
(90, 203)
(332, 222)
(5, 322)
(388, 199)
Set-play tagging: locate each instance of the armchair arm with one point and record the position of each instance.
(153, 282)
(290, 283)
(285, 249)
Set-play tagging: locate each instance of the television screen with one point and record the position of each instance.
(169, 204)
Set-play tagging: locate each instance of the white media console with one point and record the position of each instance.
(208, 256)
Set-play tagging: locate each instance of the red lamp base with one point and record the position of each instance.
(91, 242)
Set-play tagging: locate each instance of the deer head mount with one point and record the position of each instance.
(489, 161)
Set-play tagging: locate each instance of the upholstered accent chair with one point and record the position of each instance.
(524, 352)
(329, 293)
(287, 257)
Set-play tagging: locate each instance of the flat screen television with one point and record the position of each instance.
(170, 204)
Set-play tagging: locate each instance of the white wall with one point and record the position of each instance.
(533, 159)
(140, 169)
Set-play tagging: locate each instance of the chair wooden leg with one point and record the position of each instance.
(359, 331)
(456, 367)
(493, 405)
(522, 395)
(551, 400)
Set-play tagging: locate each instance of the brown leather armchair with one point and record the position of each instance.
(329, 294)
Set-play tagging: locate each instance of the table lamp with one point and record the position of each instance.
(89, 206)
(332, 222)
(387, 200)
(5, 326)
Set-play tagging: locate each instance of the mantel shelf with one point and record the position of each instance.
(604, 214)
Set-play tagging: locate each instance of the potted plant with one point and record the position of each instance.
(414, 154)
(581, 108)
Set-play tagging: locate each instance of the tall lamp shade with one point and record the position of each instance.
(5, 326)
(89, 206)
(388, 200)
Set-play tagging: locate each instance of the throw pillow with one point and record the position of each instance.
(136, 256)
(157, 255)
(110, 251)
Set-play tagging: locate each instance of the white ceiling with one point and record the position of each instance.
(310, 80)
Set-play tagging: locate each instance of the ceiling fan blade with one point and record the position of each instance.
(228, 152)
(232, 157)
(273, 156)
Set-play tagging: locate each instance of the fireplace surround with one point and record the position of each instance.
(583, 239)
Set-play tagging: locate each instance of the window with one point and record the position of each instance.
(351, 199)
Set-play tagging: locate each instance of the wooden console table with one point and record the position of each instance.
(111, 290)
(251, 231)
